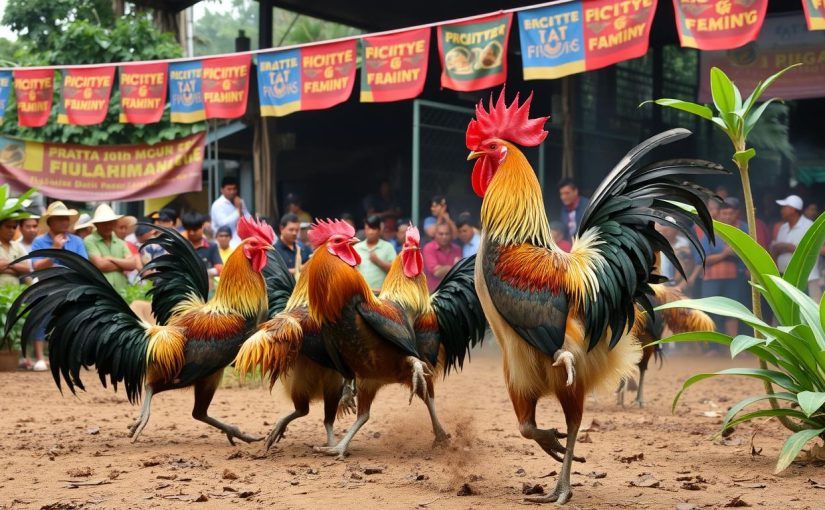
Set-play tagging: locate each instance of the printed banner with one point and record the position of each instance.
(815, 14)
(719, 25)
(474, 53)
(226, 86)
(33, 89)
(394, 66)
(784, 40)
(185, 96)
(142, 92)
(574, 37)
(113, 172)
(84, 100)
(311, 78)
(5, 90)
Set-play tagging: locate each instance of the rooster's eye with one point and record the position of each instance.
(492, 146)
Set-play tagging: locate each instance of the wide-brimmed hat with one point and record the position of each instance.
(84, 221)
(58, 209)
(104, 213)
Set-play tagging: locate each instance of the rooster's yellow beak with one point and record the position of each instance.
(474, 155)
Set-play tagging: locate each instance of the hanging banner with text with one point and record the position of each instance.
(310, 78)
(185, 96)
(5, 90)
(719, 25)
(783, 41)
(570, 38)
(394, 66)
(33, 90)
(815, 14)
(142, 92)
(226, 86)
(474, 53)
(84, 99)
(114, 172)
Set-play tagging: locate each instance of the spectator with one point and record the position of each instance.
(557, 230)
(790, 234)
(166, 217)
(440, 211)
(383, 203)
(303, 235)
(107, 251)
(83, 227)
(812, 211)
(28, 231)
(207, 250)
(228, 208)
(142, 234)
(293, 206)
(400, 235)
(572, 207)
(57, 219)
(722, 192)
(468, 235)
(440, 255)
(294, 252)
(125, 230)
(376, 254)
(10, 250)
(223, 238)
(389, 228)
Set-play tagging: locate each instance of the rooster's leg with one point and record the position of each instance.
(441, 436)
(547, 439)
(572, 403)
(639, 397)
(332, 401)
(346, 402)
(204, 391)
(419, 378)
(277, 433)
(365, 398)
(620, 393)
(143, 419)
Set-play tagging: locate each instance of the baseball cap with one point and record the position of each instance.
(792, 201)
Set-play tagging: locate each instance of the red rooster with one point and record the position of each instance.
(562, 318)
(89, 323)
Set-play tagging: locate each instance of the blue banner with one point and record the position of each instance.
(185, 92)
(5, 89)
(552, 41)
(279, 82)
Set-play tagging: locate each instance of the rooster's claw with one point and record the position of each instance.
(566, 359)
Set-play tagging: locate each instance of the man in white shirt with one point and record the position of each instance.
(228, 209)
(789, 236)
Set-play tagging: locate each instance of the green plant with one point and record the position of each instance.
(792, 353)
(8, 293)
(137, 292)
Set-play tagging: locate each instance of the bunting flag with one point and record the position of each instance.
(575, 37)
(185, 96)
(394, 66)
(474, 53)
(142, 92)
(84, 99)
(814, 14)
(226, 86)
(5, 90)
(719, 25)
(309, 78)
(33, 89)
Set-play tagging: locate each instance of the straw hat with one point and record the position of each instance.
(84, 221)
(58, 209)
(104, 213)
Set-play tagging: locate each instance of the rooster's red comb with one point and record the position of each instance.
(322, 230)
(413, 236)
(248, 227)
(511, 123)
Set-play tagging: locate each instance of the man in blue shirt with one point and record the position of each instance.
(58, 218)
(288, 244)
(468, 235)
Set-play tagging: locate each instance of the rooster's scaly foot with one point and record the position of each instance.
(419, 381)
(565, 358)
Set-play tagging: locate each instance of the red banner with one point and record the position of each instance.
(142, 92)
(327, 74)
(394, 66)
(616, 30)
(718, 24)
(226, 86)
(85, 95)
(113, 172)
(474, 53)
(815, 14)
(34, 90)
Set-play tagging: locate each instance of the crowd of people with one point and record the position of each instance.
(115, 243)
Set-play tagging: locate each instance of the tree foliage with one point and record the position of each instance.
(39, 21)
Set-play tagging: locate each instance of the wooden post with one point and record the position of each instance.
(568, 137)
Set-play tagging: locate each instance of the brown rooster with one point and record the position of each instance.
(89, 323)
(562, 319)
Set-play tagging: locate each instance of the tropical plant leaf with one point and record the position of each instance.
(742, 157)
(722, 90)
(806, 254)
(794, 445)
(807, 309)
(811, 401)
(687, 106)
(773, 376)
(717, 338)
(762, 87)
(743, 343)
(739, 406)
(752, 119)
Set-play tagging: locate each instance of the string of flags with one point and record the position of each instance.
(556, 39)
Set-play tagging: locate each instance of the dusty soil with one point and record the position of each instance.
(49, 444)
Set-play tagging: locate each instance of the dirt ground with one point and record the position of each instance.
(61, 452)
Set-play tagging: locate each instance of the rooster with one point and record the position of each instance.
(194, 339)
(562, 319)
(364, 336)
(662, 324)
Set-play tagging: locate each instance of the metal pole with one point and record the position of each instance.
(416, 163)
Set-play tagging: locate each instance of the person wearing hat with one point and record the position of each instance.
(788, 238)
(83, 226)
(58, 219)
(10, 250)
(107, 251)
(228, 208)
